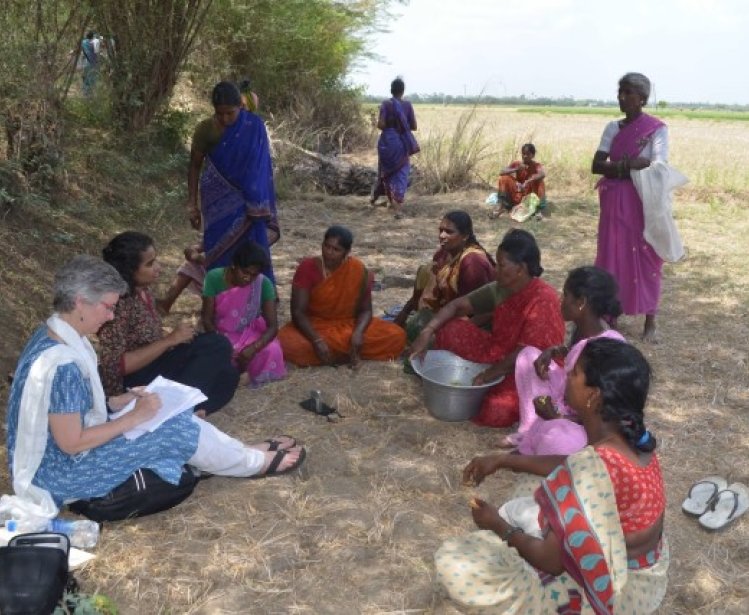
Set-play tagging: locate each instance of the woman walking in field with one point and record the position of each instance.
(627, 145)
(395, 146)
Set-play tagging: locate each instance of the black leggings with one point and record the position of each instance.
(205, 363)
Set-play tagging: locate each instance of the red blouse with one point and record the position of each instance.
(640, 496)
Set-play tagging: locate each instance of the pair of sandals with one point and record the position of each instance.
(715, 502)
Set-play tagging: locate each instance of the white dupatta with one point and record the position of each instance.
(654, 185)
(30, 501)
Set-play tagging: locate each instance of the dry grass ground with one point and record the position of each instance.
(356, 530)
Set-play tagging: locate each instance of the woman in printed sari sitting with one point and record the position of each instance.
(528, 315)
(331, 310)
(237, 197)
(548, 426)
(134, 349)
(460, 266)
(590, 540)
(240, 303)
(394, 147)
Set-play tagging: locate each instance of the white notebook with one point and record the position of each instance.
(175, 398)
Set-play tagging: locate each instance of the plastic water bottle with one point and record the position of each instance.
(83, 534)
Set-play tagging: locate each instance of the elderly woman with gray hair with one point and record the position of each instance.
(630, 144)
(63, 446)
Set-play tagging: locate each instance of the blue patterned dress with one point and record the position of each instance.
(84, 476)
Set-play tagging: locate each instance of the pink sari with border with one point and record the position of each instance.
(238, 315)
(622, 249)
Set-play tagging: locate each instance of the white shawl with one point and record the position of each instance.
(654, 185)
(30, 501)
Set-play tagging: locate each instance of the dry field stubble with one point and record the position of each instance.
(355, 531)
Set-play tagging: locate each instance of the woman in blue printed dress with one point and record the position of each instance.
(62, 445)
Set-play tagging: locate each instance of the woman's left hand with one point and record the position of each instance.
(485, 515)
(118, 402)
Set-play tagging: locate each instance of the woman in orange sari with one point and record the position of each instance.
(331, 310)
(519, 179)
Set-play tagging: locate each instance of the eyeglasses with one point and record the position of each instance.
(108, 306)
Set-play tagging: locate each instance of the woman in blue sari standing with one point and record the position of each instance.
(395, 146)
(237, 198)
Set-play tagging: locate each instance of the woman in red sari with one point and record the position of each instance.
(331, 310)
(529, 316)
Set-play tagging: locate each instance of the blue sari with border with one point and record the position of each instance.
(394, 148)
(237, 196)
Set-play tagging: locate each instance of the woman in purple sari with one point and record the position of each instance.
(632, 143)
(394, 147)
(237, 198)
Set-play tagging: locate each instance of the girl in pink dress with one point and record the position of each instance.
(548, 426)
(240, 303)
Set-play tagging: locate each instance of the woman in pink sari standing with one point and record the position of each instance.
(632, 143)
(240, 303)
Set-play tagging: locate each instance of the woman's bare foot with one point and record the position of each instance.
(650, 331)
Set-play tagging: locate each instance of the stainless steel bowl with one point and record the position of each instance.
(448, 392)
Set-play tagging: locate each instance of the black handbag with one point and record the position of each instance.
(144, 493)
(34, 573)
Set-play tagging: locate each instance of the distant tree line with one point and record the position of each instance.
(542, 101)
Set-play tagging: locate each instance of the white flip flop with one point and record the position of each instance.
(728, 504)
(701, 494)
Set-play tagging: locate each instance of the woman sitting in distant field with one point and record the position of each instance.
(519, 179)
(134, 350)
(240, 303)
(548, 426)
(590, 540)
(394, 147)
(331, 310)
(460, 266)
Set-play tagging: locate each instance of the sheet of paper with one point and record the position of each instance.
(175, 398)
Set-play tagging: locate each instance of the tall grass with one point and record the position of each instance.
(450, 161)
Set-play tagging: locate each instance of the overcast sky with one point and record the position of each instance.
(692, 50)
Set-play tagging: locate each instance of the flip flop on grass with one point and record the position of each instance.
(701, 495)
(727, 505)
